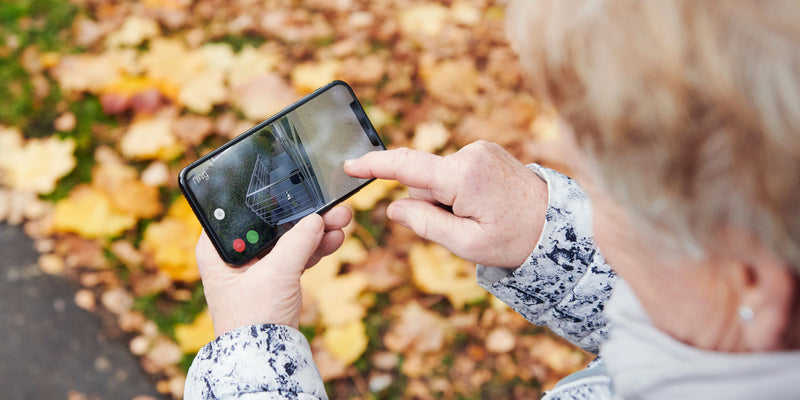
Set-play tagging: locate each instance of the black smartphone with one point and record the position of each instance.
(251, 190)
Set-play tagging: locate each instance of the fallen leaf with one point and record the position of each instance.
(90, 213)
(346, 342)
(192, 129)
(92, 73)
(117, 300)
(250, 99)
(423, 20)
(171, 242)
(500, 340)
(308, 77)
(453, 82)
(133, 32)
(336, 295)
(193, 336)
(436, 270)
(329, 366)
(351, 251)
(34, 165)
(127, 193)
(416, 330)
(251, 63)
(204, 90)
(430, 136)
(367, 197)
(17, 206)
(169, 60)
(150, 138)
(383, 269)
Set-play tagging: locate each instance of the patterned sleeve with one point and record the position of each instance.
(565, 282)
(255, 362)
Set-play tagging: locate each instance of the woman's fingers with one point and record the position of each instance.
(337, 218)
(410, 167)
(331, 242)
(296, 246)
(434, 223)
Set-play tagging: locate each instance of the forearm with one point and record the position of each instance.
(565, 282)
(259, 361)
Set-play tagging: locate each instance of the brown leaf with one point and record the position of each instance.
(192, 129)
(453, 82)
(249, 96)
(383, 269)
(416, 331)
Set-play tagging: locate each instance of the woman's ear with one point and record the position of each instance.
(767, 296)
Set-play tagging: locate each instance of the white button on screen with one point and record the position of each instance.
(219, 214)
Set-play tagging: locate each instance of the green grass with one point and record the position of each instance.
(41, 23)
(167, 313)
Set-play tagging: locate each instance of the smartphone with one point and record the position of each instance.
(253, 189)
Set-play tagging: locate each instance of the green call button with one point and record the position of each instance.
(252, 236)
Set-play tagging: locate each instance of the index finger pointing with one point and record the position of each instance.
(412, 168)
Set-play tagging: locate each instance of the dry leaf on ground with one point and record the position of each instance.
(437, 271)
(346, 342)
(193, 336)
(90, 213)
(171, 242)
(34, 165)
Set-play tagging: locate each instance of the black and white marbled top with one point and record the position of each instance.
(563, 285)
(255, 362)
(565, 282)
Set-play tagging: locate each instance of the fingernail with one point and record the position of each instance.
(312, 223)
(396, 213)
(348, 163)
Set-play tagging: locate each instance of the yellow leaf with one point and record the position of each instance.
(170, 61)
(367, 197)
(251, 63)
(308, 77)
(425, 20)
(128, 86)
(171, 242)
(121, 183)
(430, 136)
(35, 165)
(347, 342)
(93, 72)
(437, 271)
(203, 91)
(192, 337)
(352, 251)
(90, 213)
(336, 295)
(133, 32)
(150, 138)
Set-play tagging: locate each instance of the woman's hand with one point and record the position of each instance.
(498, 204)
(268, 290)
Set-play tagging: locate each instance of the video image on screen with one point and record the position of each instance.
(283, 187)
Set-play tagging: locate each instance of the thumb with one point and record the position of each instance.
(432, 222)
(296, 246)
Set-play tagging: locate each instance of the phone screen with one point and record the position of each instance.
(250, 191)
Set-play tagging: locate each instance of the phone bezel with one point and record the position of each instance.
(194, 204)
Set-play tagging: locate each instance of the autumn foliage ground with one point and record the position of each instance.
(103, 102)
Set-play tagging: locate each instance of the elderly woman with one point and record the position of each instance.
(683, 119)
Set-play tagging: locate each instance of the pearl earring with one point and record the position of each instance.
(746, 314)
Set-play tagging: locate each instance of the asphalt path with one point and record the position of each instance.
(49, 347)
